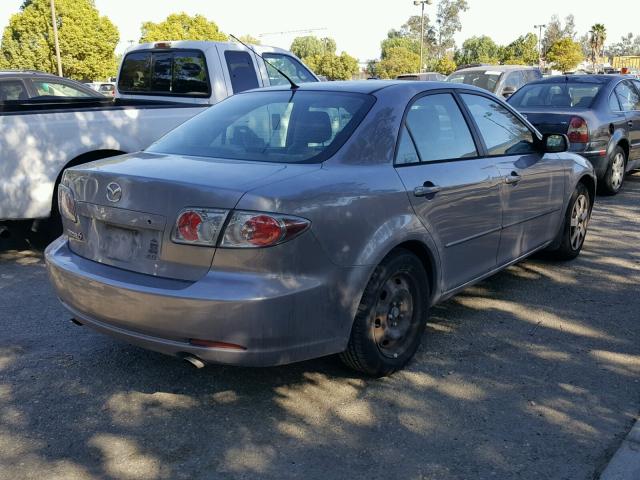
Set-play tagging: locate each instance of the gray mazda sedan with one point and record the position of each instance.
(285, 224)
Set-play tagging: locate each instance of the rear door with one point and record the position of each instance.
(533, 183)
(454, 191)
(629, 97)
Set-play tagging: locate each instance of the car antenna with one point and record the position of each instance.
(293, 84)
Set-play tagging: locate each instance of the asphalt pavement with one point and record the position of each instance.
(532, 374)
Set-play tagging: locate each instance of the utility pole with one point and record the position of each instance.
(540, 27)
(422, 3)
(54, 21)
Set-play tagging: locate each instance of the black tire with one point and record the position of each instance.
(401, 283)
(614, 178)
(572, 239)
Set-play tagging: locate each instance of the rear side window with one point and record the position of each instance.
(438, 130)
(12, 90)
(241, 70)
(556, 95)
(628, 97)
(514, 79)
(174, 72)
(49, 88)
(503, 133)
(295, 70)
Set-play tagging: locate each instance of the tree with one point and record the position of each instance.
(332, 66)
(565, 54)
(478, 50)
(448, 20)
(398, 61)
(87, 40)
(556, 31)
(181, 26)
(597, 36)
(399, 42)
(523, 50)
(309, 46)
(249, 39)
(628, 45)
(444, 65)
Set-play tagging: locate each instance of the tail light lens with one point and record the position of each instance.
(578, 130)
(253, 229)
(199, 226)
(67, 203)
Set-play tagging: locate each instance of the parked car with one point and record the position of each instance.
(285, 224)
(107, 89)
(49, 123)
(423, 76)
(599, 113)
(503, 80)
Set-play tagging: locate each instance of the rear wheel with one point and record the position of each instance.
(575, 224)
(614, 177)
(391, 317)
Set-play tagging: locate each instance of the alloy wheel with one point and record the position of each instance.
(617, 171)
(579, 221)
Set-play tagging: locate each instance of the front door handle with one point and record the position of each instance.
(630, 123)
(425, 191)
(512, 178)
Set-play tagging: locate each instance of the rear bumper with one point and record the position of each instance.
(278, 320)
(600, 162)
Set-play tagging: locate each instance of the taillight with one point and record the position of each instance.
(253, 229)
(67, 203)
(578, 130)
(199, 226)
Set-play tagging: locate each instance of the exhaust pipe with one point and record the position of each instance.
(77, 322)
(193, 360)
(4, 232)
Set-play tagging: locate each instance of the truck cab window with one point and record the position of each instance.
(12, 90)
(241, 70)
(295, 70)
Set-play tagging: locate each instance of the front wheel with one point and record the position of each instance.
(391, 317)
(575, 224)
(614, 177)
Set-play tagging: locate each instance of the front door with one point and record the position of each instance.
(455, 193)
(532, 183)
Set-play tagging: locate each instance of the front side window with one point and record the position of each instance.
(628, 97)
(58, 89)
(503, 133)
(438, 129)
(241, 70)
(12, 90)
(174, 72)
(295, 70)
(270, 126)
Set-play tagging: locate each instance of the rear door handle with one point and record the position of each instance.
(424, 191)
(512, 178)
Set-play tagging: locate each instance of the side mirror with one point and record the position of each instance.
(555, 143)
(508, 91)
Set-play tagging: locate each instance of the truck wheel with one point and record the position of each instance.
(575, 224)
(391, 317)
(614, 177)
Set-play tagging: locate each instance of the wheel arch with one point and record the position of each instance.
(589, 182)
(428, 260)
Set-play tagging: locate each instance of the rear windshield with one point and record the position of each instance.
(558, 95)
(169, 72)
(486, 79)
(270, 126)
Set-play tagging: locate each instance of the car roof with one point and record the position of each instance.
(204, 45)
(497, 68)
(600, 78)
(25, 73)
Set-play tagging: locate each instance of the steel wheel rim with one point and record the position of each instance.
(617, 171)
(393, 315)
(579, 221)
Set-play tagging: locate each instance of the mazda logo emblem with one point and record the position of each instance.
(114, 192)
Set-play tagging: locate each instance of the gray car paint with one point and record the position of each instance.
(297, 300)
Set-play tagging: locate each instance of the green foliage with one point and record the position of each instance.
(249, 39)
(181, 26)
(407, 43)
(565, 54)
(87, 40)
(628, 45)
(332, 66)
(448, 20)
(310, 46)
(522, 51)
(478, 50)
(399, 60)
(555, 31)
(597, 36)
(444, 65)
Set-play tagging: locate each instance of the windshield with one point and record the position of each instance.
(270, 126)
(486, 79)
(558, 95)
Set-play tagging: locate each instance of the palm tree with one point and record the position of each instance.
(597, 36)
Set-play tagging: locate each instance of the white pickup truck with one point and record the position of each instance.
(45, 127)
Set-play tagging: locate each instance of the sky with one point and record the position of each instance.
(358, 26)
